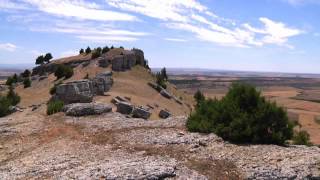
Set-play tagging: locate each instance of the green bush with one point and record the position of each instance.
(242, 116)
(301, 138)
(161, 78)
(26, 83)
(4, 106)
(63, 71)
(54, 107)
(13, 97)
(26, 73)
(199, 97)
(12, 79)
(81, 51)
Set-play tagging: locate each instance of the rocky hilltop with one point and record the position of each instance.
(118, 123)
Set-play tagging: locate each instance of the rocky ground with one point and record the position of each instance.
(111, 146)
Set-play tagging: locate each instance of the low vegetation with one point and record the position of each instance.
(162, 78)
(54, 106)
(12, 80)
(11, 99)
(63, 71)
(242, 116)
(301, 138)
(96, 53)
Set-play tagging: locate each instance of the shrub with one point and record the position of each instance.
(96, 53)
(26, 73)
(301, 138)
(63, 71)
(160, 81)
(105, 49)
(4, 106)
(242, 116)
(54, 107)
(26, 83)
(81, 51)
(13, 97)
(88, 50)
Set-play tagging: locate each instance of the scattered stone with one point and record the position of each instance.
(13, 109)
(117, 99)
(127, 98)
(124, 107)
(177, 100)
(86, 109)
(35, 106)
(164, 114)
(141, 113)
(165, 94)
(149, 106)
(85, 64)
(34, 78)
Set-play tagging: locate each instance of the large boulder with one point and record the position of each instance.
(164, 114)
(124, 107)
(118, 63)
(127, 60)
(139, 57)
(102, 83)
(75, 92)
(86, 109)
(141, 113)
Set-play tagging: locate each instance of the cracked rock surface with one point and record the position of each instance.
(111, 146)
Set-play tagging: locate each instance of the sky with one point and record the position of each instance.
(248, 35)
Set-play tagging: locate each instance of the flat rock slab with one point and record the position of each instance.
(86, 109)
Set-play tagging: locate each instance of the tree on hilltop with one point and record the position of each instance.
(40, 60)
(88, 50)
(47, 57)
(81, 51)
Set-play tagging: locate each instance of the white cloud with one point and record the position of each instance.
(192, 16)
(104, 39)
(11, 5)
(301, 2)
(175, 39)
(173, 10)
(8, 47)
(79, 9)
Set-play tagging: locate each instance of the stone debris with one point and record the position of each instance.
(86, 109)
(164, 113)
(124, 107)
(141, 112)
(165, 94)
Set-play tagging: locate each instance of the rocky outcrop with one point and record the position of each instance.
(86, 109)
(75, 92)
(141, 112)
(83, 91)
(124, 107)
(127, 60)
(104, 61)
(102, 83)
(45, 68)
(164, 114)
(165, 94)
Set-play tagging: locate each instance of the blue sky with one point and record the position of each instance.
(255, 35)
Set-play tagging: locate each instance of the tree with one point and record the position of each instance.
(26, 82)
(47, 57)
(160, 80)
(13, 97)
(164, 74)
(26, 73)
(81, 51)
(199, 97)
(88, 50)
(242, 116)
(121, 47)
(105, 49)
(12, 79)
(4, 106)
(40, 60)
(112, 47)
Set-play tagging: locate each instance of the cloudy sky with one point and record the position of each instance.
(255, 35)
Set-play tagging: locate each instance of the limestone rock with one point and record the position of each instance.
(103, 62)
(75, 92)
(165, 94)
(102, 83)
(141, 113)
(124, 107)
(164, 114)
(86, 109)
